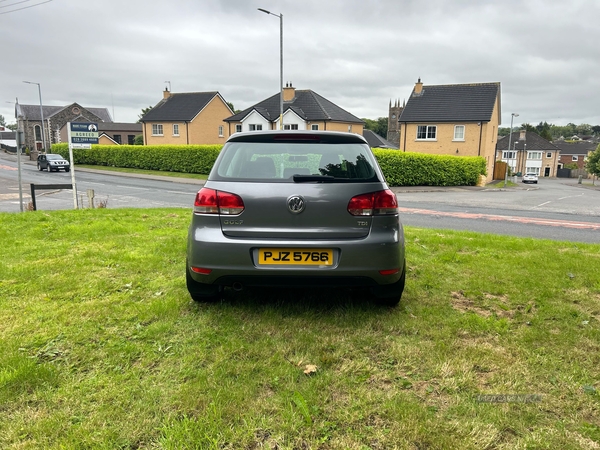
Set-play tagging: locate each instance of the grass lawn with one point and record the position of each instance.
(196, 176)
(101, 347)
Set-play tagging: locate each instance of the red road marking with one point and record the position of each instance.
(7, 167)
(528, 220)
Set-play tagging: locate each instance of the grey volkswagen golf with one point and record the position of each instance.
(299, 208)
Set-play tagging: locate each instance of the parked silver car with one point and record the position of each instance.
(300, 208)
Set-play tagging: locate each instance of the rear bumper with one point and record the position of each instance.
(357, 262)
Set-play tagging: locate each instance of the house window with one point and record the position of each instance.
(292, 126)
(509, 155)
(220, 130)
(38, 133)
(131, 139)
(549, 155)
(459, 132)
(157, 129)
(575, 158)
(314, 127)
(238, 128)
(535, 170)
(534, 155)
(426, 132)
(255, 127)
(175, 129)
(117, 138)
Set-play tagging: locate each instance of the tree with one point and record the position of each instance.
(144, 112)
(235, 111)
(596, 129)
(528, 127)
(379, 126)
(139, 140)
(2, 121)
(592, 165)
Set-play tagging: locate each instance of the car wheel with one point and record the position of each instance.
(49, 168)
(535, 182)
(390, 295)
(201, 292)
(39, 167)
(67, 169)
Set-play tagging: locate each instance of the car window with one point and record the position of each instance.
(54, 157)
(281, 162)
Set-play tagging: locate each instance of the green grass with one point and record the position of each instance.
(195, 176)
(101, 347)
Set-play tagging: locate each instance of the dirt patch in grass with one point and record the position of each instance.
(462, 303)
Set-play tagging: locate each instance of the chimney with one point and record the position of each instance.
(523, 135)
(166, 93)
(289, 92)
(418, 87)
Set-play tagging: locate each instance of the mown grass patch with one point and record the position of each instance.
(101, 347)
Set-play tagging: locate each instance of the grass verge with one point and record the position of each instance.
(101, 347)
(195, 176)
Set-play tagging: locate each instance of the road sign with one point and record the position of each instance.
(84, 133)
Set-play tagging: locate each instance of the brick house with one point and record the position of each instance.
(529, 153)
(575, 152)
(455, 119)
(29, 119)
(302, 110)
(187, 118)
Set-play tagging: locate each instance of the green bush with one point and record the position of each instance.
(399, 168)
(417, 169)
(168, 158)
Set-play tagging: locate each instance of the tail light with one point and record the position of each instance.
(211, 201)
(378, 203)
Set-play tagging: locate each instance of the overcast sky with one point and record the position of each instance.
(359, 54)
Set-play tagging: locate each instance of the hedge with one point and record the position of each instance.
(399, 168)
(168, 158)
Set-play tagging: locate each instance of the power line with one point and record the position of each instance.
(24, 7)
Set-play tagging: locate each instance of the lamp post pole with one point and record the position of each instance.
(512, 116)
(41, 114)
(280, 64)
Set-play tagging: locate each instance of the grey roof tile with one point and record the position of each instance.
(452, 103)
(32, 112)
(532, 141)
(576, 148)
(376, 141)
(179, 107)
(307, 104)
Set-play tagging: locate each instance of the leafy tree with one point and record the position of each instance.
(12, 126)
(592, 165)
(139, 140)
(2, 120)
(528, 127)
(235, 111)
(379, 126)
(596, 129)
(584, 129)
(144, 112)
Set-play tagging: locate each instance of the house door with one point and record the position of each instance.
(547, 172)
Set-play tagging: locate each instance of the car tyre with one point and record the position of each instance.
(39, 167)
(49, 168)
(390, 295)
(200, 292)
(67, 169)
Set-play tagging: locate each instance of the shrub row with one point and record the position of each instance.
(400, 168)
(168, 158)
(418, 169)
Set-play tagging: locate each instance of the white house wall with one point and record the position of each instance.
(255, 118)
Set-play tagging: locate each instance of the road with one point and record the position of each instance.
(557, 209)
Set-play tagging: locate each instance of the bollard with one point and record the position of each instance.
(579, 180)
(90, 195)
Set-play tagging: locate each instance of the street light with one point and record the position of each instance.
(512, 116)
(41, 113)
(280, 64)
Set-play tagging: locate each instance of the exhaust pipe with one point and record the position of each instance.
(237, 286)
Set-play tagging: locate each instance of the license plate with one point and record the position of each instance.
(295, 256)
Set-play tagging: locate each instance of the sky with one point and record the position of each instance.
(121, 54)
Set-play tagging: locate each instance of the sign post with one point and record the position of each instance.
(80, 135)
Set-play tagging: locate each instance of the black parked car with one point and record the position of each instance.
(52, 162)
